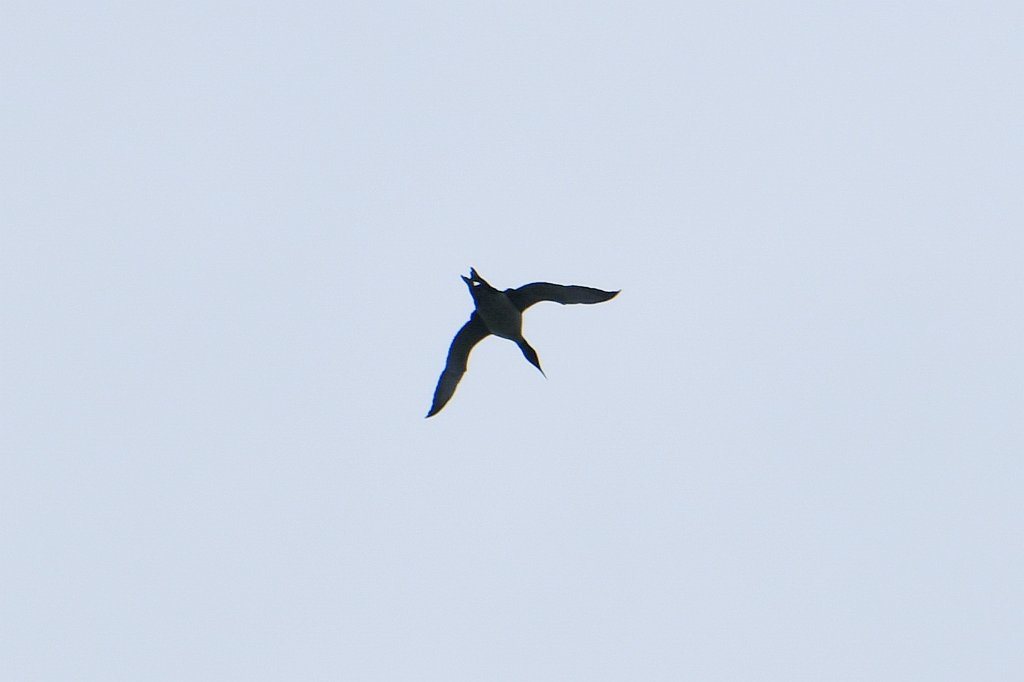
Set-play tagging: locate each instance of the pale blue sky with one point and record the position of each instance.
(232, 235)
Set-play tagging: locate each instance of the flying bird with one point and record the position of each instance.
(501, 313)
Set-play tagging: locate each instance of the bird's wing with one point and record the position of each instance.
(458, 356)
(528, 294)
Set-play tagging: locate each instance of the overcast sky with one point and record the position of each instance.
(790, 449)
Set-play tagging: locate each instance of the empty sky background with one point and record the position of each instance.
(789, 450)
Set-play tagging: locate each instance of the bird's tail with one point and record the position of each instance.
(530, 354)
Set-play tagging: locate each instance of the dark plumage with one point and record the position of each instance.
(501, 313)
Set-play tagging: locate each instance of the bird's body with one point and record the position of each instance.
(501, 313)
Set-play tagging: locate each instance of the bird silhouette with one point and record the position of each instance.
(501, 313)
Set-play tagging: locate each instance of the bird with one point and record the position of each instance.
(501, 313)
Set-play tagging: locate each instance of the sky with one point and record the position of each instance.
(231, 239)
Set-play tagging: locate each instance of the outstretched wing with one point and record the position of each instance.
(458, 356)
(528, 294)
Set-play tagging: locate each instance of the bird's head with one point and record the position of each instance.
(476, 283)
